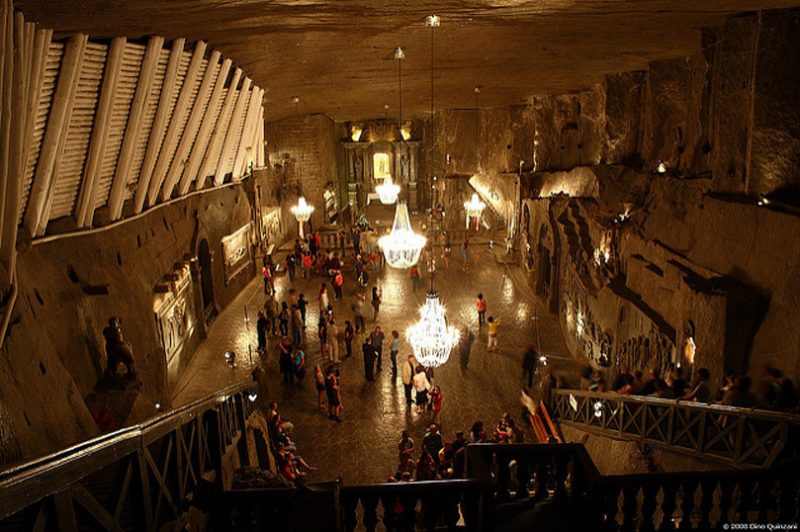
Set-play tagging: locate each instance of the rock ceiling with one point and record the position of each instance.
(336, 56)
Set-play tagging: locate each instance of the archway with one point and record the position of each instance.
(206, 279)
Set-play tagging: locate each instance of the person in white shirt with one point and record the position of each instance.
(421, 385)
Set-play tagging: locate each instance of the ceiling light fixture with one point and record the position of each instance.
(402, 246)
(302, 212)
(431, 338)
(474, 208)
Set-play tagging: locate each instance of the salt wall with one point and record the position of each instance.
(661, 214)
(640, 222)
(70, 286)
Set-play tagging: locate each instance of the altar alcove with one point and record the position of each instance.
(377, 150)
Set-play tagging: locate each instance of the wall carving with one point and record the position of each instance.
(236, 252)
(173, 306)
(271, 225)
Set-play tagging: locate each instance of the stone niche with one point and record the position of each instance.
(375, 151)
(175, 316)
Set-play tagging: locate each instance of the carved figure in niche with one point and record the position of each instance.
(404, 167)
(358, 170)
(117, 349)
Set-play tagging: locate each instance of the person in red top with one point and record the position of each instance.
(480, 306)
(436, 403)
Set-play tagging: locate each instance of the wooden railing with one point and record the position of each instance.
(711, 500)
(736, 436)
(137, 478)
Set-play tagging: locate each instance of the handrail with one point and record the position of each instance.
(740, 436)
(721, 409)
(44, 475)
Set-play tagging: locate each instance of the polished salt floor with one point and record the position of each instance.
(363, 448)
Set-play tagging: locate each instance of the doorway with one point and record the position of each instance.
(206, 279)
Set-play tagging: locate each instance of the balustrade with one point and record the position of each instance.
(738, 436)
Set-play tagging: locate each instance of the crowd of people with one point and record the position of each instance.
(290, 464)
(438, 458)
(774, 391)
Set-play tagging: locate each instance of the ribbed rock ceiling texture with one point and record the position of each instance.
(337, 56)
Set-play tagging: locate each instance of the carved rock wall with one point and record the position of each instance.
(310, 144)
(54, 352)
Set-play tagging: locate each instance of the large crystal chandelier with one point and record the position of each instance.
(431, 338)
(402, 246)
(387, 191)
(302, 212)
(474, 208)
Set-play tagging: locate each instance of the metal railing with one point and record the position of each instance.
(735, 436)
(135, 478)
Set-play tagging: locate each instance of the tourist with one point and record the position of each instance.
(322, 334)
(598, 382)
(493, 324)
(406, 444)
(781, 394)
(338, 282)
(529, 360)
(319, 382)
(426, 467)
(622, 379)
(341, 238)
(358, 312)
(302, 304)
(432, 442)
(349, 335)
(376, 302)
(286, 360)
(323, 299)
(465, 251)
(436, 403)
(271, 308)
(465, 340)
(447, 249)
(369, 358)
(416, 278)
(266, 273)
(277, 420)
(333, 341)
(332, 392)
(739, 393)
(296, 326)
(299, 365)
(283, 319)
(395, 347)
(676, 382)
(663, 391)
(407, 376)
(377, 338)
(649, 387)
(356, 234)
(262, 327)
(476, 433)
(306, 262)
(480, 306)
(291, 264)
(421, 386)
(700, 393)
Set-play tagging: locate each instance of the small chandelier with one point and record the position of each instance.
(302, 212)
(474, 208)
(387, 191)
(402, 247)
(431, 338)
